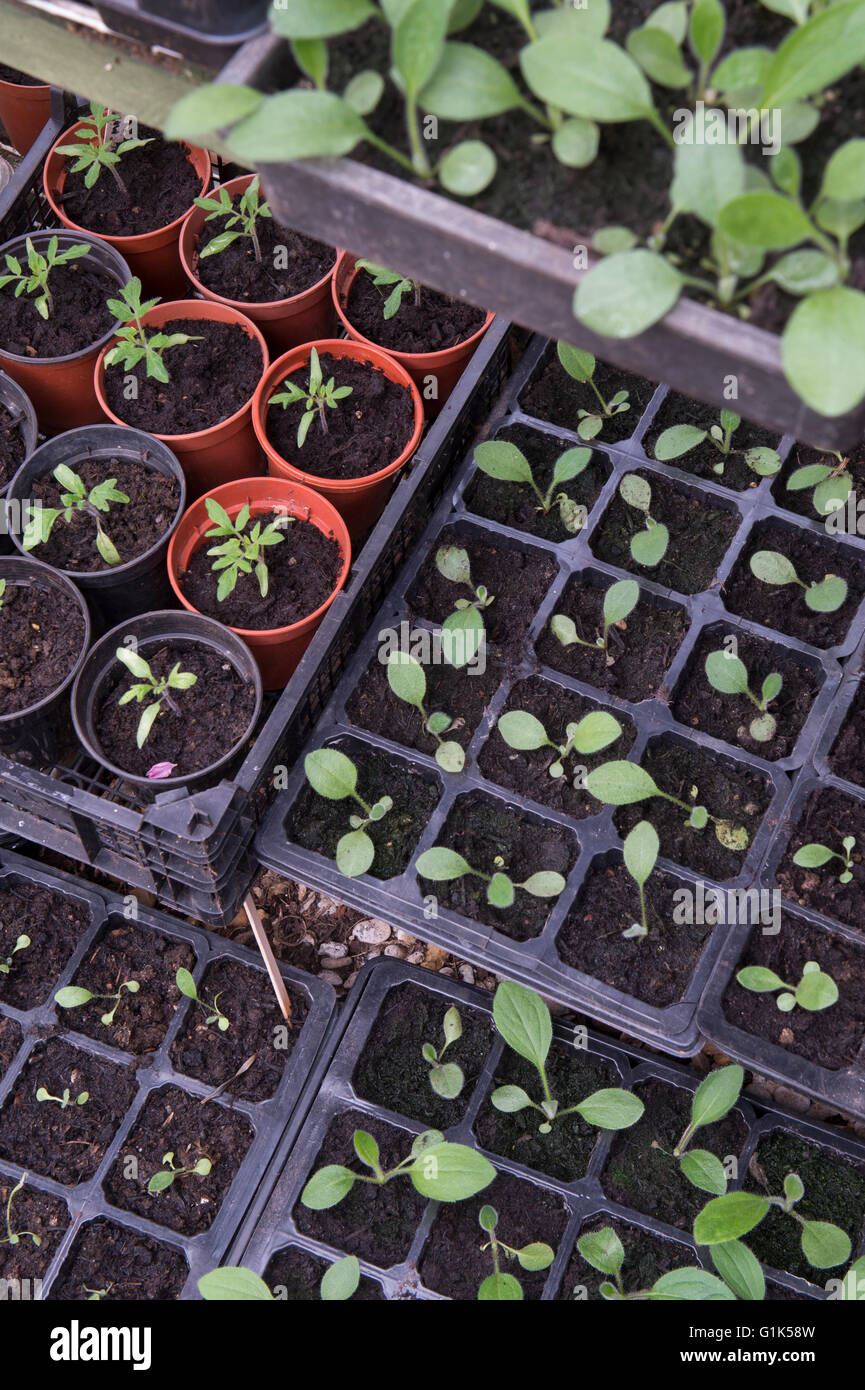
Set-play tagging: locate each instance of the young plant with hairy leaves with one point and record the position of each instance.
(815, 991)
(35, 279)
(171, 1173)
(580, 366)
(399, 286)
(407, 680)
(75, 997)
(212, 1012)
(156, 689)
(500, 1286)
(463, 631)
(508, 464)
(101, 142)
(814, 856)
(593, 733)
(446, 1078)
(604, 1252)
(241, 221)
(726, 1219)
(679, 440)
(832, 484)
(436, 1168)
(243, 549)
(620, 600)
(12, 1236)
(649, 546)
(334, 776)
(134, 343)
(728, 675)
(96, 503)
(713, 1099)
(443, 865)
(65, 1100)
(625, 783)
(319, 397)
(8, 962)
(825, 596)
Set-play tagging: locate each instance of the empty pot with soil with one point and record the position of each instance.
(343, 418)
(175, 708)
(267, 557)
(235, 253)
(25, 106)
(44, 636)
(100, 504)
(18, 436)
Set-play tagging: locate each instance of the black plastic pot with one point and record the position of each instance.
(204, 31)
(17, 402)
(140, 585)
(35, 736)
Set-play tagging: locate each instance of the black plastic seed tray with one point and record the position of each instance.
(207, 32)
(537, 962)
(264, 1121)
(270, 1226)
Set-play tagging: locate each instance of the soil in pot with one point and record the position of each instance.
(847, 758)
(212, 378)
(699, 535)
(134, 526)
(727, 792)
(680, 410)
(832, 1037)
(640, 649)
(54, 924)
(294, 1275)
(79, 316)
(647, 1257)
(565, 1152)
(257, 1030)
(10, 1041)
(161, 186)
(553, 395)
(801, 499)
(68, 1144)
(656, 968)
(516, 504)
(318, 824)
(41, 635)
(453, 1262)
(214, 713)
(783, 606)
(641, 1171)
(486, 831)
(126, 952)
(392, 1071)
(13, 446)
(697, 704)
(375, 1223)
(834, 1191)
(528, 773)
(174, 1121)
(20, 79)
(290, 262)
(45, 1216)
(127, 1266)
(366, 432)
(303, 573)
(426, 320)
(828, 816)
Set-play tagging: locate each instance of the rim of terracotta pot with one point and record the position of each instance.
(40, 87)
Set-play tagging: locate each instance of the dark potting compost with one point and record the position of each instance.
(20, 79)
(79, 315)
(10, 1041)
(290, 263)
(517, 504)
(426, 320)
(13, 445)
(160, 186)
(828, 816)
(41, 636)
(847, 758)
(54, 924)
(45, 1216)
(125, 1266)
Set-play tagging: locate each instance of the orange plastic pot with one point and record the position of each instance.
(285, 323)
(225, 451)
(24, 110)
(359, 501)
(434, 373)
(153, 256)
(278, 650)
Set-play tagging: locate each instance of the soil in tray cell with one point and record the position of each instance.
(10, 1041)
(33, 1213)
(573, 1074)
(426, 320)
(783, 606)
(737, 798)
(257, 1031)
(64, 1142)
(641, 1172)
(528, 773)
(12, 445)
(125, 954)
(517, 504)
(700, 533)
(647, 1257)
(492, 837)
(640, 648)
(160, 182)
(79, 318)
(730, 717)
(290, 263)
(847, 758)
(454, 1261)
(41, 636)
(319, 824)
(375, 1223)
(54, 924)
(125, 1266)
(834, 1192)
(827, 818)
(801, 500)
(177, 1123)
(392, 1071)
(705, 457)
(832, 1037)
(553, 395)
(656, 968)
(295, 1275)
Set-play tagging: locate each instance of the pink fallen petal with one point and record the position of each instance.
(161, 770)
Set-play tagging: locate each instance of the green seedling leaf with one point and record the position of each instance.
(234, 1284)
(804, 271)
(708, 20)
(763, 461)
(636, 492)
(766, 220)
(812, 856)
(823, 347)
(595, 732)
(462, 636)
(341, 1280)
(824, 1245)
(536, 1256)
(545, 884)
(447, 1080)
(620, 599)
(727, 673)
(620, 783)
(716, 1095)
(298, 124)
(771, 567)
(450, 756)
(503, 461)
(612, 1108)
(575, 143)
(603, 1251)
(828, 595)
(759, 979)
(690, 1285)
(816, 54)
(641, 851)
(327, 1187)
(297, 19)
(523, 1020)
(367, 1149)
(451, 1172)
(658, 55)
(355, 853)
(729, 1217)
(522, 730)
(586, 77)
(741, 1270)
(678, 440)
(331, 773)
(704, 1170)
(72, 997)
(208, 109)
(649, 547)
(500, 891)
(364, 92)
(469, 85)
(816, 991)
(406, 678)
(510, 1099)
(442, 865)
(468, 168)
(626, 293)
(500, 1288)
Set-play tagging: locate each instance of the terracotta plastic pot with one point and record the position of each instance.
(285, 323)
(224, 451)
(360, 501)
(434, 373)
(24, 110)
(277, 650)
(153, 256)
(61, 388)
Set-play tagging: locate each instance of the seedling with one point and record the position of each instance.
(6, 962)
(594, 732)
(832, 484)
(334, 776)
(74, 996)
(101, 146)
(728, 675)
(508, 464)
(624, 783)
(407, 680)
(35, 279)
(681, 439)
(728, 1218)
(214, 1014)
(236, 1284)
(641, 852)
(713, 1098)
(581, 366)
(444, 865)
(444, 1171)
(814, 856)
(619, 601)
(96, 503)
(150, 687)
(2, 592)
(815, 991)
(604, 1252)
(13, 1237)
(523, 1019)
(399, 286)
(446, 1078)
(463, 631)
(243, 551)
(501, 1287)
(134, 343)
(825, 596)
(63, 1101)
(240, 221)
(319, 397)
(648, 547)
(169, 1173)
